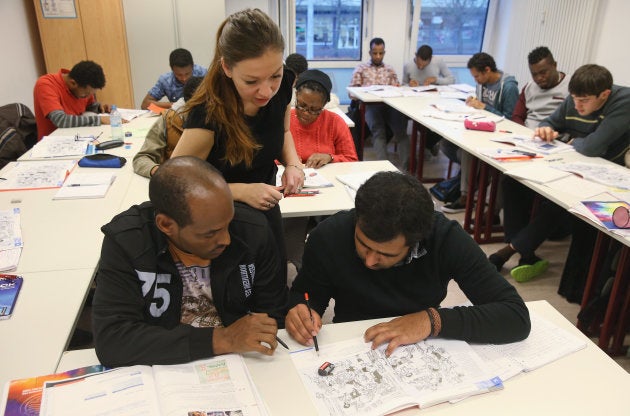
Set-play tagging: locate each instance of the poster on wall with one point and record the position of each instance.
(59, 9)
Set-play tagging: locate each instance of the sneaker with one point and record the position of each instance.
(527, 269)
(454, 207)
(497, 260)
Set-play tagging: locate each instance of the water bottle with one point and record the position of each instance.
(115, 121)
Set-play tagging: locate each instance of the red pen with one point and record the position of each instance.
(505, 131)
(308, 305)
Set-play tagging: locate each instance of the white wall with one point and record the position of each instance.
(156, 27)
(22, 57)
(609, 44)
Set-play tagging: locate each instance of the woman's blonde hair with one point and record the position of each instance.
(243, 35)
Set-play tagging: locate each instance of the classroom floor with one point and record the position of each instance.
(544, 287)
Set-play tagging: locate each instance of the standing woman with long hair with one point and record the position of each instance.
(239, 118)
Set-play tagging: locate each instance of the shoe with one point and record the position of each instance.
(454, 207)
(497, 260)
(527, 269)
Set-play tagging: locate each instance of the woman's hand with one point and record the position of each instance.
(317, 160)
(292, 179)
(257, 195)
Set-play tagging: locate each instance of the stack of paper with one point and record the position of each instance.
(546, 343)
(606, 174)
(507, 155)
(81, 185)
(10, 239)
(355, 180)
(539, 174)
(129, 114)
(536, 144)
(313, 178)
(36, 174)
(463, 88)
(453, 106)
(59, 146)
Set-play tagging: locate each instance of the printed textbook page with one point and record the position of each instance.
(219, 385)
(546, 343)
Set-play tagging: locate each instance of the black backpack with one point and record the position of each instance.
(18, 132)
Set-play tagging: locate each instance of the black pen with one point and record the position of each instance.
(281, 342)
(99, 135)
(522, 152)
(308, 305)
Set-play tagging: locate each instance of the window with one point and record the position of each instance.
(328, 30)
(452, 27)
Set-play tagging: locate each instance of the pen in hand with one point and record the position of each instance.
(308, 305)
(281, 342)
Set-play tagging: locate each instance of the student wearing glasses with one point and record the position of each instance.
(320, 136)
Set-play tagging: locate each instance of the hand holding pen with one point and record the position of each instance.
(255, 332)
(303, 324)
(310, 312)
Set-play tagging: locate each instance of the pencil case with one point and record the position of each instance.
(102, 160)
(480, 125)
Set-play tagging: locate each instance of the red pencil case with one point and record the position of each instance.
(480, 125)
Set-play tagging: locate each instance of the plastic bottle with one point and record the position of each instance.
(115, 122)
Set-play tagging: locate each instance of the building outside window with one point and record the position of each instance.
(328, 30)
(452, 27)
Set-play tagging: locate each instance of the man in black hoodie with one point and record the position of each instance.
(188, 275)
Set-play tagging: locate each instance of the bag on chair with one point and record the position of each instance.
(447, 190)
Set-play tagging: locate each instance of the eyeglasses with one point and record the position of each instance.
(311, 111)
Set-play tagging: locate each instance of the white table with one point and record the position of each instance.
(586, 382)
(62, 243)
(327, 202)
(343, 115)
(470, 141)
(65, 234)
(37, 333)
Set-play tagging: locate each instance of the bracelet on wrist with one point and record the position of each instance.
(297, 167)
(435, 320)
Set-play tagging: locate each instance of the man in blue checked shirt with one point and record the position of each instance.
(171, 84)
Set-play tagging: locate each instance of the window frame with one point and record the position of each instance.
(288, 25)
(451, 60)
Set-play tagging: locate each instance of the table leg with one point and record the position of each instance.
(619, 288)
(362, 139)
(601, 246)
(420, 130)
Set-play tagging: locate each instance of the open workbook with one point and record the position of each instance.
(545, 344)
(216, 386)
(365, 382)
